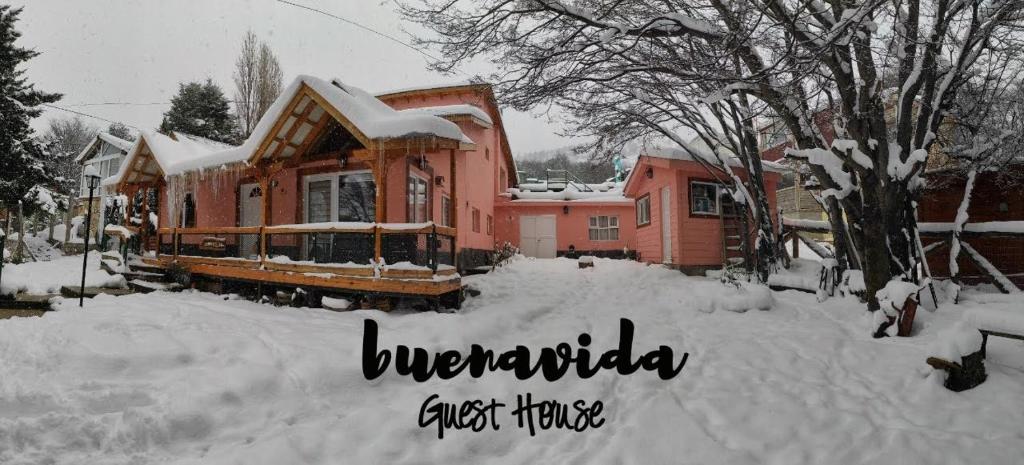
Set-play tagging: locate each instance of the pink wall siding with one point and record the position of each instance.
(572, 228)
(696, 239)
(477, 170)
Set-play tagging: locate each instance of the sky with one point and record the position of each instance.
(137, 51)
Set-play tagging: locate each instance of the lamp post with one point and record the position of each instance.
(92, 177)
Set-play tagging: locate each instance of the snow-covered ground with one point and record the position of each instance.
(196, 378)
(47, 277)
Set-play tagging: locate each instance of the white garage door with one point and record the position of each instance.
(537, 236)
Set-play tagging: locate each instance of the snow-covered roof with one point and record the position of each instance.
(178, 154)
(372, 118)
(687, 155)
(608, 191)
(423, 87)
(452, 110)
(103, 137)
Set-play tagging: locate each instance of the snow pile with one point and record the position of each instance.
(895, 294)
(996, 320)
(539, 191)
(332, 303)
(117, 230)
(960, 340)
(49, 276)
(735, 298)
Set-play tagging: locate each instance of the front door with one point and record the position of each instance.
(537, 236)
(666, 225)
(249, 204)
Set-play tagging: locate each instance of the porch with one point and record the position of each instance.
(399, 259)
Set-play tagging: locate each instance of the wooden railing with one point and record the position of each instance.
(360, 249)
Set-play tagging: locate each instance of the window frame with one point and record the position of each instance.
(475, 219)
(184, 210)
(410, 206)
(334, 177)
(643, 199)
(446, 211)
(717, 195)
(594, 226)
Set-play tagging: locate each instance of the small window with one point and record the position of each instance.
(476, 220)
(643, 210)
(502, 181)
(490, 225)
(188, 211)
(446, 211)
(417, 207)
(703, 198)
(604, 228)
(487, 154)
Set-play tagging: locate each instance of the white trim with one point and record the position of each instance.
(333, 177)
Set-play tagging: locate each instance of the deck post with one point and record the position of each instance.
(454, 209)
(380, 212)
(432, 252)
(796, 244)
(143, 228)
(176, 241)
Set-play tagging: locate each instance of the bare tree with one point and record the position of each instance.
(258, 81)
(887, 71)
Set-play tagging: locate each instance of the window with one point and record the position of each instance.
(643, 210)
(604, 228)
(487, 154)
(502, 181)
(703, 198)
(490, 225)
(476, 220)
(349, 196)
(416, 209)
(188, 211)
(446, 211)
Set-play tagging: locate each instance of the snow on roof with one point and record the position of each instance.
(608, 191)
(105, 137)
(372, 117)
(429, 87)
(451, 110)
(704, 153)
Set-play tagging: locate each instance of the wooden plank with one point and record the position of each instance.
(223, 262)
(350, 283)
(408, 274)
(220, 230)
(304, 268)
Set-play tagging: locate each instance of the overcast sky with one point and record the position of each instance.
(137, 51)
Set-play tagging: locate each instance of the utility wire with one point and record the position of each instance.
(371, 30)
(55, 107)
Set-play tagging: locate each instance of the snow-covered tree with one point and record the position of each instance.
(258, 81)
(889, 72)
(65, 138)
(121, 131)
(202, 110)
(21, 155)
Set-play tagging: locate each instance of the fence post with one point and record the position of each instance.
(177, 242)
(263, 244)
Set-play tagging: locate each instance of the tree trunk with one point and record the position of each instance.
(874, 250)
(20, 249)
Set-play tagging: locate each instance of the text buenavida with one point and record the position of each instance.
(552, 362)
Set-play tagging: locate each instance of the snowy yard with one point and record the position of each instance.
(195, 378)
(47, 277)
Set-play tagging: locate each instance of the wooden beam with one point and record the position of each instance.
(299, 121)
(421, 287)
(289, 110)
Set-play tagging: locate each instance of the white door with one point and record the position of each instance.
(537, 236)
(666, 225)
(249, 202)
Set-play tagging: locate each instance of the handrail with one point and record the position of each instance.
(434, 232)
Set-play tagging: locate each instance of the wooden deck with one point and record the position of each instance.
(431, 278)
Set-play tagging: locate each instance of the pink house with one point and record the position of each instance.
(335, 189)
(678, 206)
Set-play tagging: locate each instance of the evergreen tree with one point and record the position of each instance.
(21, 155)
(202, 110)
(121, 131)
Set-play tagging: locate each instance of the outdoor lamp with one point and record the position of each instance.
(92, 179)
